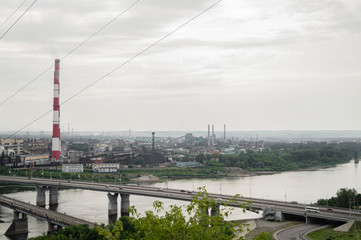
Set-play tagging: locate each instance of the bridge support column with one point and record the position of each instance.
(112, 204)
(19, 225)
(51, 228)
(124, 205)
(53, 195)
(215, 210)
(270, 214)
(40, 196)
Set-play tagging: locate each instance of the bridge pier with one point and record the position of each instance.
(124, 204)
(307, 220)
(19, 225)
(40, 196)
(53, 227)
(270, 214)
(53, 195)
(112, 204)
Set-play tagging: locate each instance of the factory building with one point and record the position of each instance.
(12, 146)
(105, 167)
(71, 168)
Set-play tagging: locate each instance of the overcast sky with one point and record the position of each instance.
(253, 65)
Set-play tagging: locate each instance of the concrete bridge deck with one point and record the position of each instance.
(42, 213)
(343, 215)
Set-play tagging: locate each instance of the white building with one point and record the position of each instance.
(105, 167)
(2, 149)
(72, 167)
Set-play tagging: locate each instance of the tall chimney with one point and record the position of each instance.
(56, 143)
(212, 135)
(224, 136)
(153, 141)
(209, 135)
(256, 142)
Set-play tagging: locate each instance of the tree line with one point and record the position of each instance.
(345, 197)
(286, 156)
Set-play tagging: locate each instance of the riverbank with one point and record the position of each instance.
(152, 175)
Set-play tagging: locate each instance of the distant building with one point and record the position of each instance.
(99, 148)
(187, 164)
(2, 149)
(97, 160)
(14, 146)
(70, 168)
(35, 159)
(74, 156)
(105, 167)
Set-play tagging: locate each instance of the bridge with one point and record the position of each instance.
(273, 210)
(22, 209)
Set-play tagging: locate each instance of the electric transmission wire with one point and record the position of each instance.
(13, 13)
(69, 53)
(122, 64)
(12, 25)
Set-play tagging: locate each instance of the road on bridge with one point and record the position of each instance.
(40, 212)
(343, 215)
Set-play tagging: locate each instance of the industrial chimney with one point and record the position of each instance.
(56, 143)
(213, 136)
(209, 135)
(224, 136)
(153, 141)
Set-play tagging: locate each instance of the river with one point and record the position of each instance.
(301, 186)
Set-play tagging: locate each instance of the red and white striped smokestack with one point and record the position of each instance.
(56, 143)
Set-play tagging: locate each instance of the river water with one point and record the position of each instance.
(301, 186)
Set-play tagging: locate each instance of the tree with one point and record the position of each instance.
(173, 224)
(263, 236)
(200, 158)
(344, 196)
(139, 160)
(119, 148)
(79, 147)
(81, 232)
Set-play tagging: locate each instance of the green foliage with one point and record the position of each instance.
(139, 161)
(328, 234)
(285, 156)
(264, 236)
(344, 197)
(200, 158)
(119, 148)
(174, 224)
(111, 232)
(4, 170)
(161, 225)
(79, 147)
(81, 232)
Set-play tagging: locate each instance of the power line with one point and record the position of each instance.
(123, 64)
(13, 13)
(71, 51)
(18, 19)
